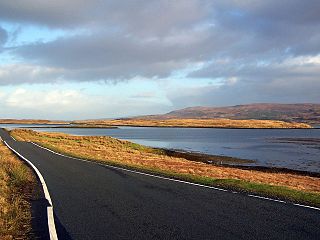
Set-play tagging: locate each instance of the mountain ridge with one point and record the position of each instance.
(297, 112)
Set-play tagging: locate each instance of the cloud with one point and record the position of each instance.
(122, 40)
(288, 68)
(292, 80)
(138, 16)
(51, 13)
(114, 56)
(53, 102)
(258, 50)
(12, 74)
(46, 104)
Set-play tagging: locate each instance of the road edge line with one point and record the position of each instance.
(177, 180)
(51, 224)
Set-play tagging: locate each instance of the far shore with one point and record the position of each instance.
(167, 123)
(139, 126)
(198, 123)
(179, 126)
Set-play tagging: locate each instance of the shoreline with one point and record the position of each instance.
(196, 123)
(138, 126)
(141, 126)
(232, 162)
(275, 170)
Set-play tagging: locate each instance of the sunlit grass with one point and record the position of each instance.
(16, 182)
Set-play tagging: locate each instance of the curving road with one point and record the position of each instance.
(92, 201)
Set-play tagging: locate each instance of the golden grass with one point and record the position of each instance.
(16, 183)
(125, 153)
(210, 123)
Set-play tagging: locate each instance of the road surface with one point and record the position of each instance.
(92, 201)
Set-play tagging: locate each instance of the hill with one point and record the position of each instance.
(303, 113)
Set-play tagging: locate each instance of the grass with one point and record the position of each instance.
(16, 186)
(206, 123)
(288, 186)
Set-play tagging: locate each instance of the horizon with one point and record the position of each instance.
(163, 113)
(98, 60)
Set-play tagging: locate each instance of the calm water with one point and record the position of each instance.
(256, 144)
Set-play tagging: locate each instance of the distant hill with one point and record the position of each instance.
(306, 113)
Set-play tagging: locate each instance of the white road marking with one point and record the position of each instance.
(51, 224)
(266, 198)
(306, 206)
(13, 138)
(171, 179)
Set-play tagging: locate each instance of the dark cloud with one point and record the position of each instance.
(135, 16)
(271, 27)
(105, 56)
(58, 13)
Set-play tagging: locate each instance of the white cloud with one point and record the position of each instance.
(302, 60)
(52, 100)
(25, 102)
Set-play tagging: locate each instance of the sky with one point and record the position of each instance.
(80, 59)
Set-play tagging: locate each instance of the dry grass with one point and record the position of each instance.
(115, 151)
(210, 123)
(16, 183)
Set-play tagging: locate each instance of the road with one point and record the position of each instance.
(92, 201)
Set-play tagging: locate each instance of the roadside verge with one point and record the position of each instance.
(50, 216)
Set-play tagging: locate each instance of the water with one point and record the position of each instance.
(261, 145)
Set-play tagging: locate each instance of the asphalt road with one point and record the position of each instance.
(97, 202)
